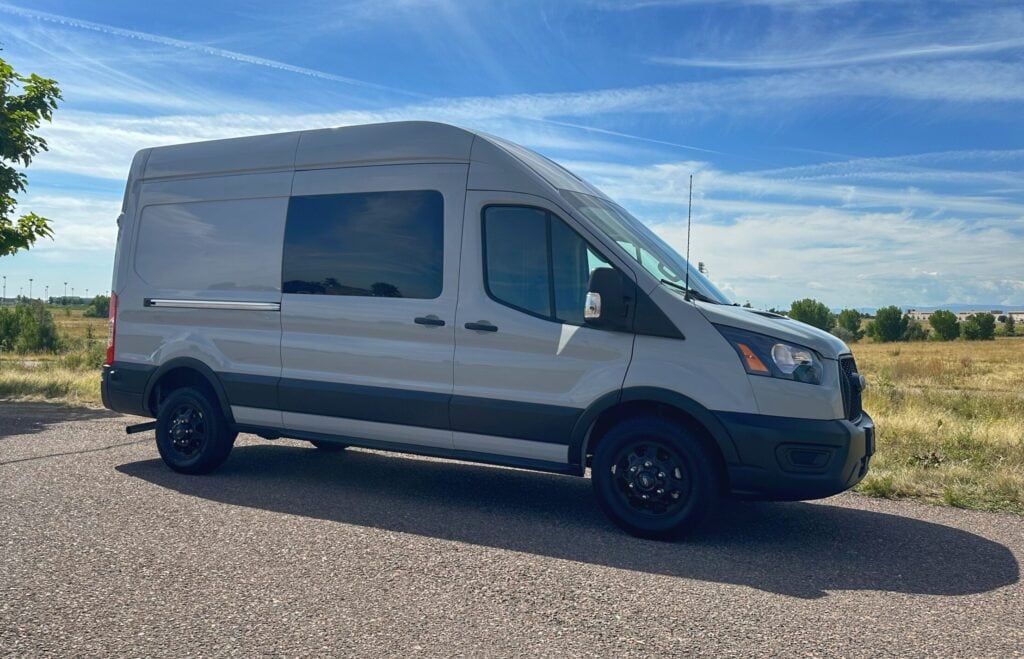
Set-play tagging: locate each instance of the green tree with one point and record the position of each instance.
(849, 319)
(98, 308)
(28, 327)
(889, 324)
(979, 327)
(915, 331)
(1010, 326)
(813, 313)
(25, 102)
(945, 325)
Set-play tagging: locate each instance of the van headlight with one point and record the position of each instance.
(764, 355)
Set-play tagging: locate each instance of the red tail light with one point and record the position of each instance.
(112, 329)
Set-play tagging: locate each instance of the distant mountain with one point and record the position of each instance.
(951, 307)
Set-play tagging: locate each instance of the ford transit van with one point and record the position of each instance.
(421, 288)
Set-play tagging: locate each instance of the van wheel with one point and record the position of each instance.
(329, 447)
(192, 435)
(654, 478)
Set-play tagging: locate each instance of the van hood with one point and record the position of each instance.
(775, 326)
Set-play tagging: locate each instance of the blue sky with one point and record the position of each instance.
(860, 152)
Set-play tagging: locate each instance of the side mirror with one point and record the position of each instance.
(607, 303)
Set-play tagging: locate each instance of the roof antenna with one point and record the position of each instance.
(689, 220)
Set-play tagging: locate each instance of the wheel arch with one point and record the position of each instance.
(633, 401)
(186, 371)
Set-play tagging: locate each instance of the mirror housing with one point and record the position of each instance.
(608, 300)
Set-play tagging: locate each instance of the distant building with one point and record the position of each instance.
(922, 316)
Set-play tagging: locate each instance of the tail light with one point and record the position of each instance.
(111, 329)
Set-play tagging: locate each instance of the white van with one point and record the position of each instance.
(421, 288)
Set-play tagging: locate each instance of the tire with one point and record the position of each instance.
(192, 435)
(328, 447)
(673, 478)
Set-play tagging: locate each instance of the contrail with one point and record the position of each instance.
(195, 47)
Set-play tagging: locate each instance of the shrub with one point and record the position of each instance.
(98, 308)
(849, 320)
(813, 313)
(979, 327)
(1010, 326)
(915, 331)
(889, 325)
(945, 325)
(843, 334)
(28, 327)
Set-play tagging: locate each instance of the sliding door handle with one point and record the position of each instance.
(482, 327)
(429, 320)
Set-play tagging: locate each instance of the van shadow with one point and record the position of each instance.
(795, 549)
(21, 418)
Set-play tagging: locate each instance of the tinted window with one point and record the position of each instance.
(190, 246)
(534, 262)
(379, 244)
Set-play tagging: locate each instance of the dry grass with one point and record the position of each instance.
(72, 377)
(950, 420)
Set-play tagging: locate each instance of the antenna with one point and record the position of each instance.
(689, 221)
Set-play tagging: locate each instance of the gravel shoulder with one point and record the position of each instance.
(288, 550)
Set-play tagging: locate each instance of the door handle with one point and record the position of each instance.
(482, 327)
(429, 320)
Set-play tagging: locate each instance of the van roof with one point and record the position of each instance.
(402, 142)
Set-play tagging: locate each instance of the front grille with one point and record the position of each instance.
(850, 387)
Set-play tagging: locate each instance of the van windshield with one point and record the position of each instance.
(646, 248)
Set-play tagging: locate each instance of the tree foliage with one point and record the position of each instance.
(945, 325)
(979, 327)
(98, 308)
(889, 324)
(28, 327)
(813, 313)
(849, 320)
(25, 102)
(915, 331)
(1010, 326)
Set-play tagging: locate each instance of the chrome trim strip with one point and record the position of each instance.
(212, 304)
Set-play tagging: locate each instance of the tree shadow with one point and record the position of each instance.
(795, 549)
(23, 418)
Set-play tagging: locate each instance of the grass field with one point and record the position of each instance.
(950, 420)
(950, 416)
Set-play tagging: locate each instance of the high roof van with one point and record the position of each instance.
(421, 288)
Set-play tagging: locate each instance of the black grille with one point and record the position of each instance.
(849, 382)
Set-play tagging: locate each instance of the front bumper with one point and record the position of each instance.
(794, 459)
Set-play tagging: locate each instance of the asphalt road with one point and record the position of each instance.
(290, 551)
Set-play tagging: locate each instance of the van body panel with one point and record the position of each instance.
(404, 142)
(368, 341)
(218, 157)
(703, 366)
(530, 368)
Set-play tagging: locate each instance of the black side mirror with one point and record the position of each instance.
(608, 300)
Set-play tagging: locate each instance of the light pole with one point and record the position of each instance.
(64, 301)
(30, 288)
(46, 296)
(3, 300)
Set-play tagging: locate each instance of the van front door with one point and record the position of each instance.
(526, 365)
(370, 279)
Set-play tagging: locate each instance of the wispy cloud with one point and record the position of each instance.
(204, 49)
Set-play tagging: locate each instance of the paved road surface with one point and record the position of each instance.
(290, 551)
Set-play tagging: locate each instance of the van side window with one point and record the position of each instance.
(374, 244)
(536, 263)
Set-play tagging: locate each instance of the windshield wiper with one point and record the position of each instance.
(690, 292)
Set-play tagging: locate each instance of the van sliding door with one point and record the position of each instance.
(370, 281)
